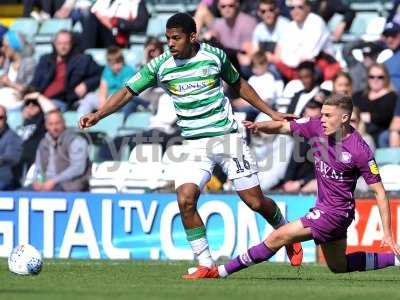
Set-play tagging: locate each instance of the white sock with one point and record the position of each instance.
(202, 252)
(222, 271)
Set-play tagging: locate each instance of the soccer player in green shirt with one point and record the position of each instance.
(192, 74)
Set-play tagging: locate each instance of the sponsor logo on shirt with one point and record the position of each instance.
(373, 167)
(190, 86)
(327, 171)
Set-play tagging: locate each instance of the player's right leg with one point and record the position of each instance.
(286, 235)
(338, 262)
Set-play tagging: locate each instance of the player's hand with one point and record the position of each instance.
(88, 120)
(250, 125)
(388, 241)
(278, 116)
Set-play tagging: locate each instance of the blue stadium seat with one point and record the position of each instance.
(50, 27)
(109, 125)
(71, 118)
(134, 56)
(98, 54)
(360, 23)
(42, 49)
(14, 119)
(156, 25)
(385, 156)
(27, 26)
(135, 122)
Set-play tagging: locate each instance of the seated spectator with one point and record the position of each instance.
(300, 176)
(311, 89)
(391, 36)
(66, 76)
(307, 39)
(110, 22)
(377, 102)
(45, 9)
(343, 84)
(112, 79)
(264, 83)
(31, 132)
(162, 130)
(62, 162)
(18, 68)
(271, 29)
(234, 30)
(10, 152)
(327, 9)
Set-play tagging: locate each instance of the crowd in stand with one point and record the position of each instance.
(284, 49)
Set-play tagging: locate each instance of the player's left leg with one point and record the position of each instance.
(249, 190)
(338, 262)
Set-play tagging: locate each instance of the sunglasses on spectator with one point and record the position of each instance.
(263, 11)
(227, 5)
(376, 77)
(301, 7)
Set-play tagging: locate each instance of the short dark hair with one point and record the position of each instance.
(268, 2)
(184, 21)
(114, 54)
(312, 104)
(307, 65)
(341, 101)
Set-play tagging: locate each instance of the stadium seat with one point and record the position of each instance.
(135, 122)
(98, 55)
(108, 177)
(360, 23)
(14, 119)
(109, 125)
(386, 156)
(27, 26)
(156, 25)
(71, 118)
(390, 176)
(134, 56)
(42, 49)
(50, 27)
(374, 29)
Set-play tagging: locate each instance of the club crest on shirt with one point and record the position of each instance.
(373, 167)
(345, 157)
(302, 120)
(205, 72)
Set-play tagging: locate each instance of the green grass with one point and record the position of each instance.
(74, 279)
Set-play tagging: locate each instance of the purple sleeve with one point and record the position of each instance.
(306, 127)
(367, 166)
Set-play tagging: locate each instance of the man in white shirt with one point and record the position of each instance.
(305, 38)
(272, 28)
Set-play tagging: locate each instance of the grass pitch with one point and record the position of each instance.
(75, 279)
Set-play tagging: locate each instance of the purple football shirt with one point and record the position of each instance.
(338, 165)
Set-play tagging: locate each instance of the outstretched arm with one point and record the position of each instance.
(115, 102)
(271, 127)
(384, 211)
(244, 89)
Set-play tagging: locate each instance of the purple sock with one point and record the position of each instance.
(362, 261)
(253, 256)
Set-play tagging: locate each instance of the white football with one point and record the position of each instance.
(25, 260)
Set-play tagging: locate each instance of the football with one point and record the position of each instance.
(25, 260)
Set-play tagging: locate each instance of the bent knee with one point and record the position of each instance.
(337, 269)
(277, 239)
(187, 198)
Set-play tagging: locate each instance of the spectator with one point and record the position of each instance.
(31, 132)
(162, 130)
(112, 79)
(264, 83)
(19, 67)
(234, 30)
(10, 152)
(394, 13)
(327, 9)
(391, 35)
(311, 89)
(77, 10)
(62, 162)
(299, 176)
(377, 102)
(343, 84)
(111, 22)
(271, 29)
(45, 8)
(65, 76)
(307, 38)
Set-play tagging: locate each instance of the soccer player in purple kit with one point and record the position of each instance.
(340, 156)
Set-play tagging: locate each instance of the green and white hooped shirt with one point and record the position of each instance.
(195, 86)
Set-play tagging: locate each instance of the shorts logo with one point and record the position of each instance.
(314, 215)
(302, 120)
(345, 157)
(373, 167)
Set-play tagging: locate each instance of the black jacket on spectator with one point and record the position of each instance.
(10, 153)
(326, 9)
(80, 68)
